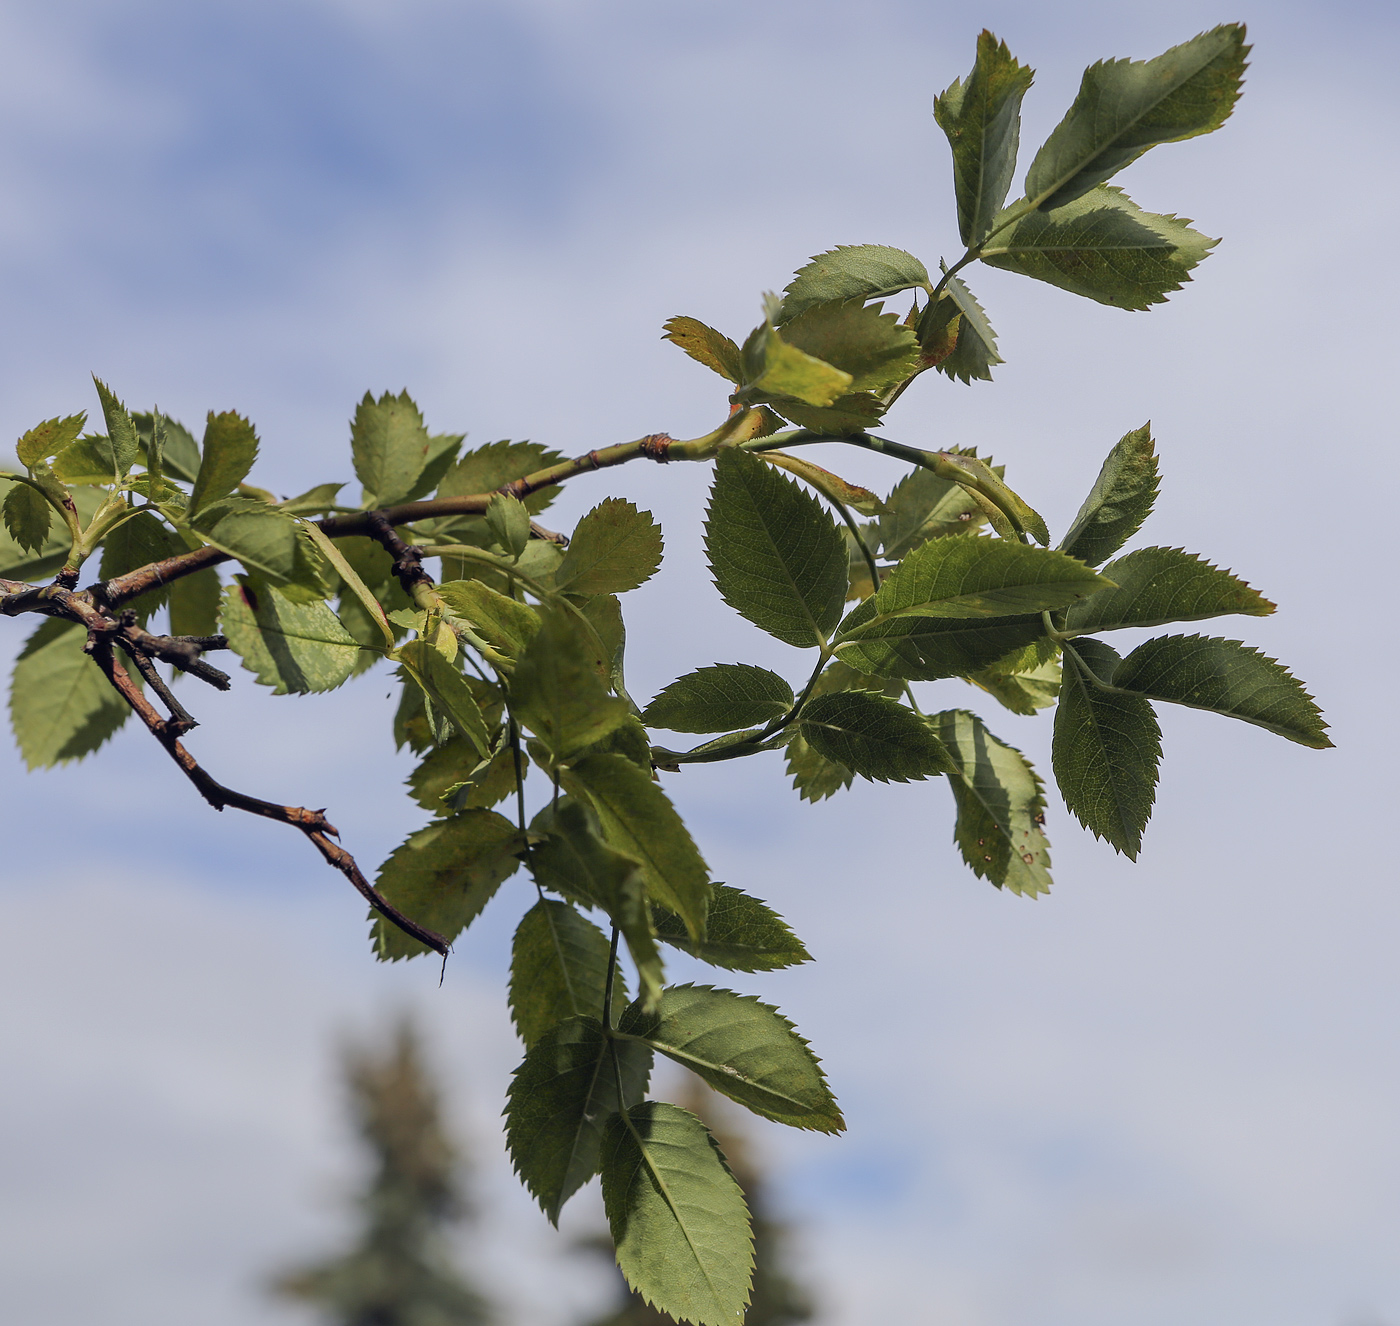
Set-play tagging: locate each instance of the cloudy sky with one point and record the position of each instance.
(1166, 1093)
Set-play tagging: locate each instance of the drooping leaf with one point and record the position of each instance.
(556, 690)
(1022, 692)
(270, 544)
(851, 272)
(558, 969)
(1001, 805)
(872, 736)
(776, 555)
(1106, 750)
(706, 346)
(389, 444)
(121, 431)
(560, 1099)
(28, 516)
(743, 1048)
(1224, 677)
(1125, 107)
(639, 820)
(503, 622)
(1160, 585)
(825, 482)
(1102, 246)
(614, 548)
(1120, 500)
(974, 353)
(230, 448)
(448, 691)
(194, 603)
(295, 648)
(742, 934)
(44, 441)
(677, 1217)
(720, 698)
(485, 469)
(442, 876)
(982, 118)
(61, 706)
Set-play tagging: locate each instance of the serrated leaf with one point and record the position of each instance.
(1001, 805)
(44, 441)
(639, 821)
(180, 452)
(614, 548)
(851, 272)
(982, 118)
(1102, 246)
(1224, 677)
(743, 1048)
(194, 603)
(974, 353)
(558, 969)
(677, 1217)
(138, 541)
(509, 523)
(295, 648)
(872, 736)
(814, 777)
(1160, 585)
(720, 698)
(1119, 502)
(706, 346)
(505, 623)
(1106, 750)
(825, 482)
(560, 1099)
(1022, 692)
(776, 555)
(121, 431)
(742, 934)
(89, 460)
(1125, 107)
(448, 691)
(442, 876)
(442, 451)
(922, 507)
(230, 448)
(61, 706)
(859, 339)
(451, 766)
(389, 445)
(269, 542)
(28, 516)
(776, 371)
(847, 415)
(17, 563)
(488, 468)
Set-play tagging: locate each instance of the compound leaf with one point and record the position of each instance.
(776, 555)
(614, 548)
(558, 969)
(720, 698)
(872, 736)
(295, 648)
(1119, 502)
(851, 272)
(230, 448)
(1224, 677)
(1001, 805)
(677, 1217)
(1106, 750)
(741, 934)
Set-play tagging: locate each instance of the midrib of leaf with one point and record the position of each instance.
(1086, 681)
(792, 583)
(563, 965)
(675, 1052)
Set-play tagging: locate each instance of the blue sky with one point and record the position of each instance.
(1165, 1093)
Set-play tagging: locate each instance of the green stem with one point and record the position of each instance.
(608, 994)
(860, 542)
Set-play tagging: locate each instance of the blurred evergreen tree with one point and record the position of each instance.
(778, 1299)
(399, 1272)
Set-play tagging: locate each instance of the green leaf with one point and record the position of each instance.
(442, 876)
(556, 690)
(18, 564)
(851, 271)
(814, 777)
(451, 766)
(558, 969)
(445, 686)
(825, 482)
(61, 706)
(1224, 677)
(847, 415)
(639, 820)
(295, 648)
(28, 516)
(1024, 692)
(488, 468)
(509, 523)
(194, 603)
(442, 451)
(777, 371)
(706, 346)
(877, 738)
(1106, 750)
(614, 548)
(574, 861)
(389, 444)
(230, 448)
(743, 1048)
(1125, 107)
(742, 934)
(982, 118)
(180, 452)
(1120, 500)
(1001, 805)
(1103, 246)
(677, 1217)
(44, 441)
(975, 352)
(560, 1099)
(505, 623)
(776, 555)
(89, 460)
(269, 543)
(136, 542)
(859, 339)
(920, 648)
(923, 507)
(121, 431)
(1160, 585)
(719, 699)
